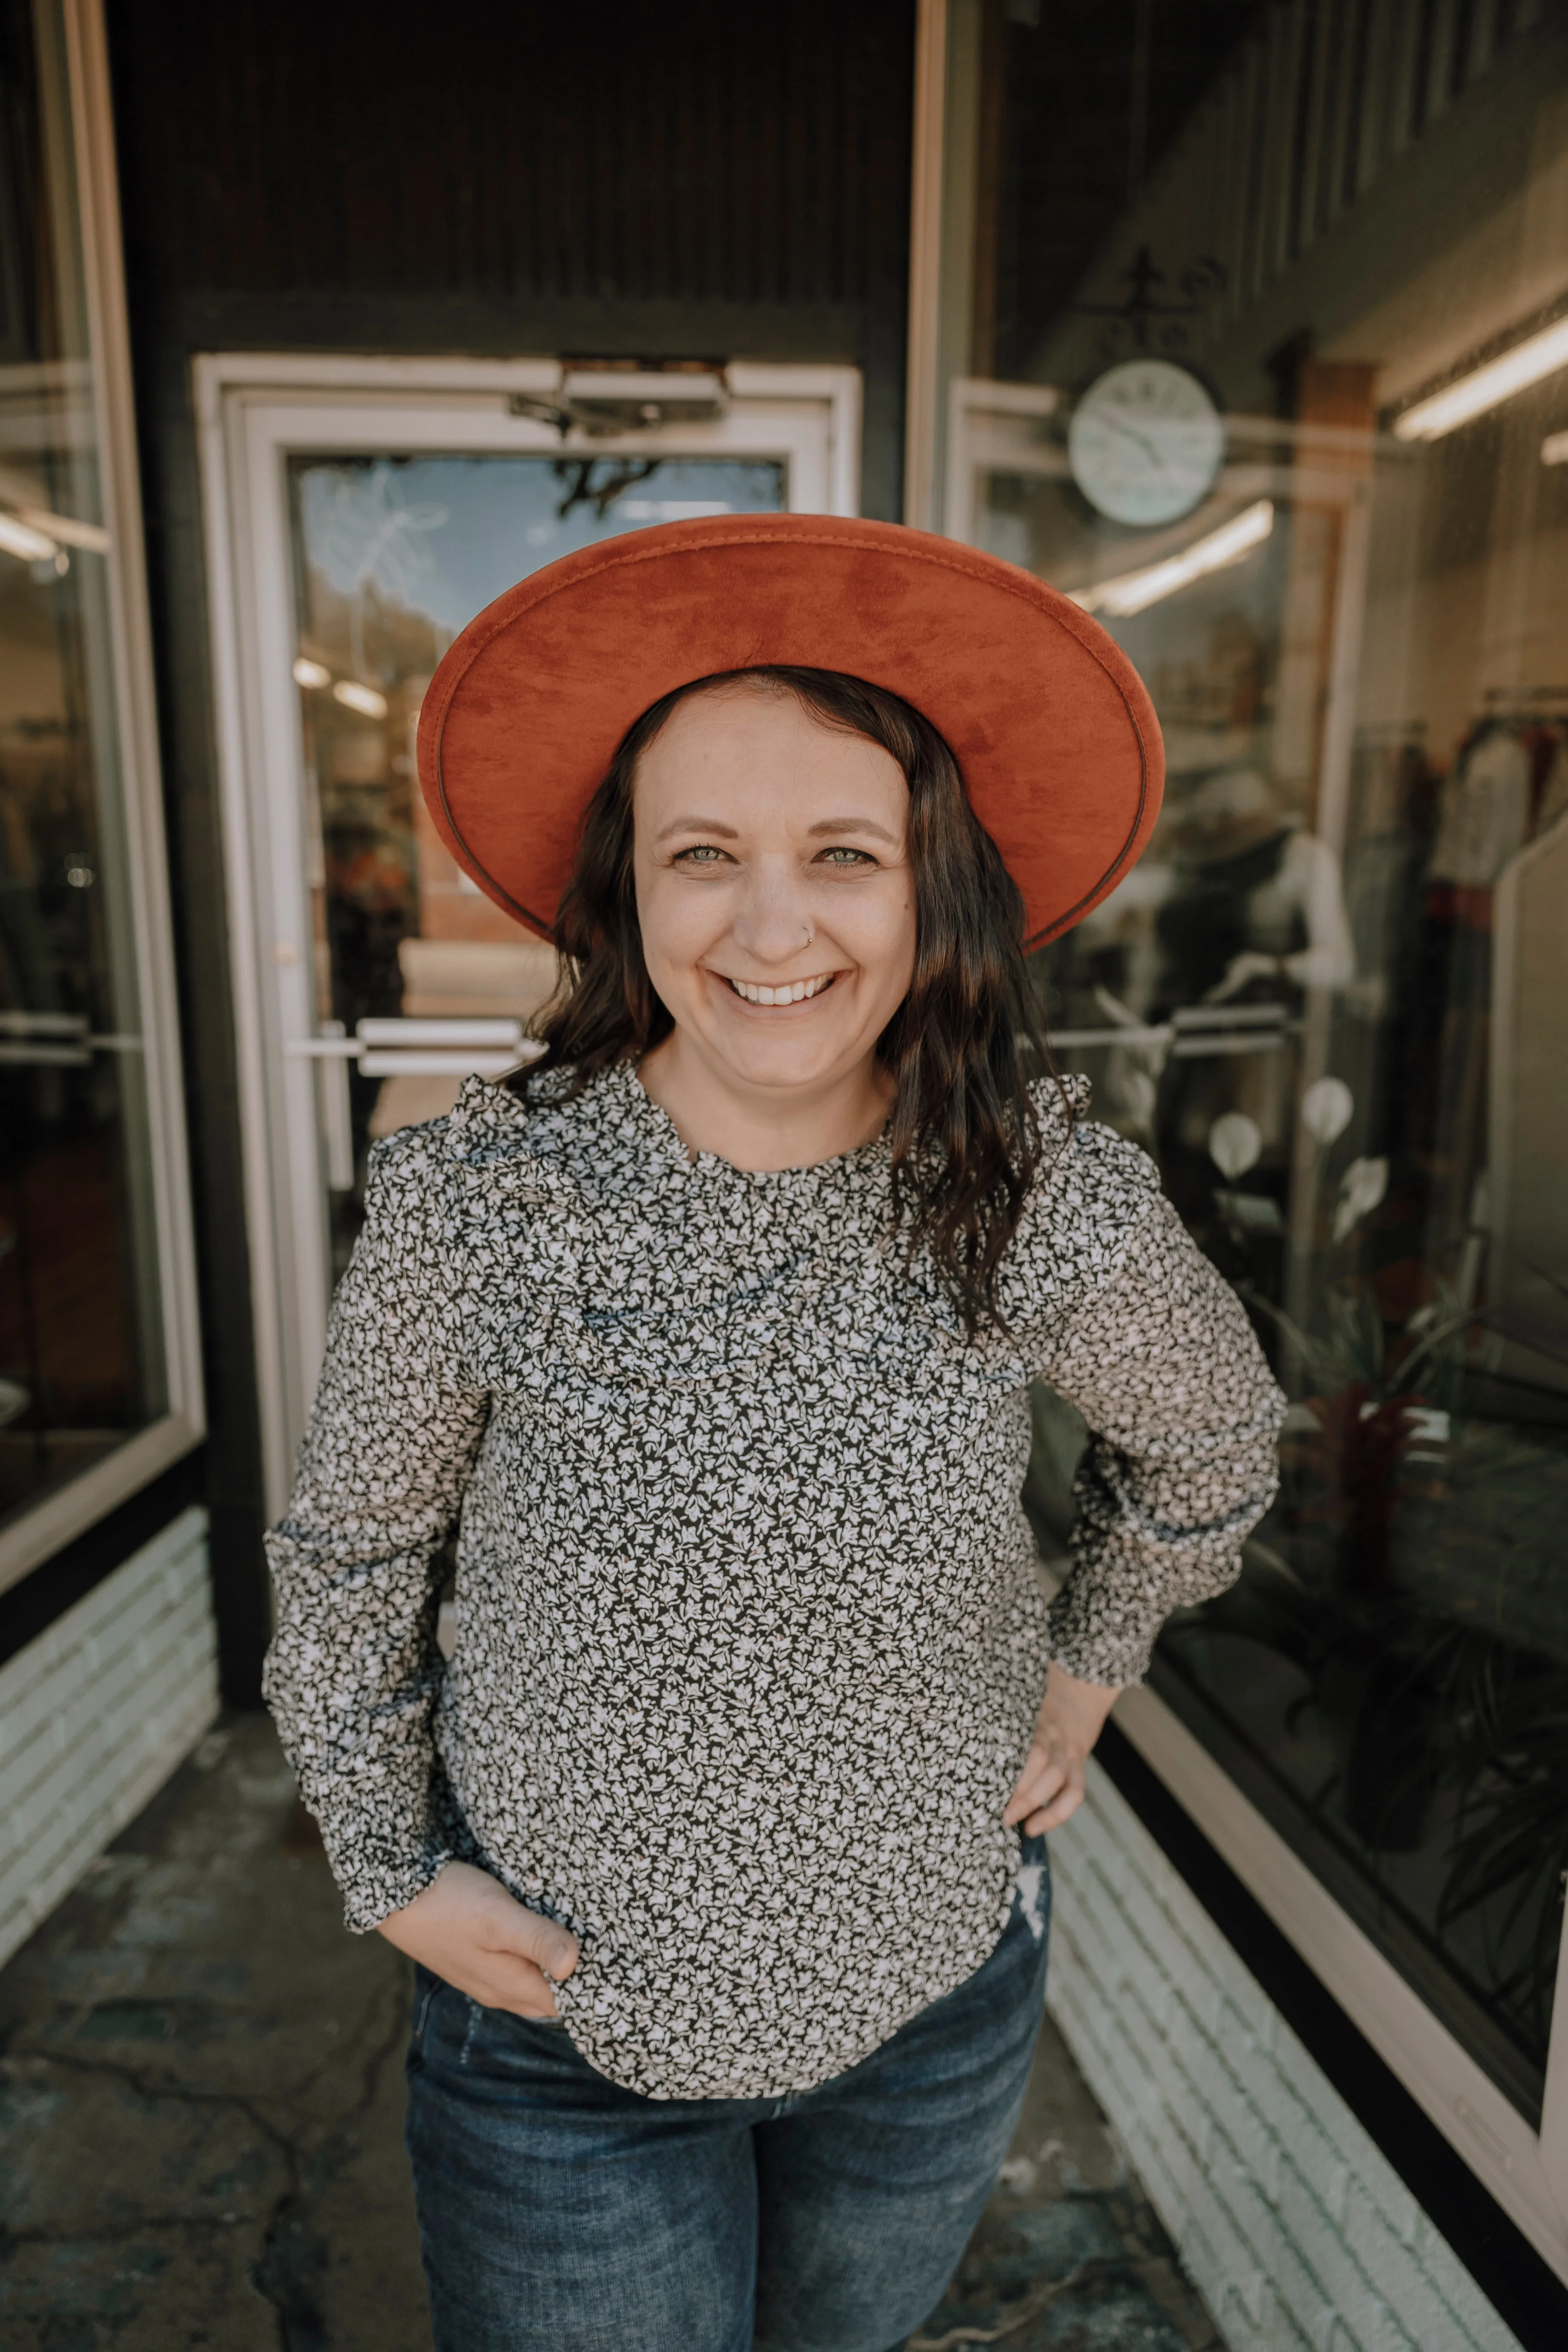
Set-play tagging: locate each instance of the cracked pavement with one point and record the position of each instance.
(201, 2120)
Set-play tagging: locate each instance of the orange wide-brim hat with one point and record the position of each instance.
(1048, 720)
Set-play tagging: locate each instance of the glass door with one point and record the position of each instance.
(418, 978)
(354, 538)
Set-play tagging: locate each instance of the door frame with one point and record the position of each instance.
(253, 410)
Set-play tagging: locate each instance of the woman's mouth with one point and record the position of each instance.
(783, 991)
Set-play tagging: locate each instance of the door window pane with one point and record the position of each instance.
(393, 556)
(1234, 297)
(81, 1363)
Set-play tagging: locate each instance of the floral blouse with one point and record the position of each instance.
(750, 1636)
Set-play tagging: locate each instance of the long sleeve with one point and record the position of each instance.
(353, 1672)
(1184, 1421)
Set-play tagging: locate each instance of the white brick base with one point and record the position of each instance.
(1297, 2232)
(95, 1714)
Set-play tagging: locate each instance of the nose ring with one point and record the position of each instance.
(810, 933)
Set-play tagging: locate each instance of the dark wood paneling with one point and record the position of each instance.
(695, 153)
(694, 179)
(1076, 143)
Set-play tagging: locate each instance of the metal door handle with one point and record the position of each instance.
(393, 1047)
(57, 1041)
(389, 1048)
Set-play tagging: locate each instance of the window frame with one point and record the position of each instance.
(1524, 2171)
(43, 1528)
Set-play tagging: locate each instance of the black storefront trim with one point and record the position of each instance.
(58, 1584)
(1527, 2294)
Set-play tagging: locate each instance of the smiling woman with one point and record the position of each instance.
(780, 936)
(796, 828)
(716, 1844)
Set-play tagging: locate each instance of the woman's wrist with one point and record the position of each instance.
(1050, 1788)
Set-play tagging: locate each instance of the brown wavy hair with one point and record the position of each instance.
(964, 1136)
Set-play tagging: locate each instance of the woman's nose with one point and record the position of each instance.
(773, 924)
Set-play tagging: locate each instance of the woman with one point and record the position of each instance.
(718, 1845)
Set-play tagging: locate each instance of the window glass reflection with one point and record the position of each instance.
(81, 1355)
(1223, 402)
(392, 558)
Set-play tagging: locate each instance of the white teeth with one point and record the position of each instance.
(791, 992)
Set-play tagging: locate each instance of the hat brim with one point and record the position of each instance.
(1050, 723)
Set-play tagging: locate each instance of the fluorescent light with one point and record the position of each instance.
(19, 539)
(363, 699)
(66, 529)
(1485, 387)
(310, 673)
(1131, 591)
(1555, 449)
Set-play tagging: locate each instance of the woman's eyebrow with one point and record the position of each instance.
(698, 824)
(853, 824)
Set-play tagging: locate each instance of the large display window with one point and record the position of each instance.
(1248, 328)
(98, 1378)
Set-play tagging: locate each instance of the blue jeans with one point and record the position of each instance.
(559, 2212)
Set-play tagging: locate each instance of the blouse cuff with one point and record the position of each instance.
(382, 1854)
(1094, 1654)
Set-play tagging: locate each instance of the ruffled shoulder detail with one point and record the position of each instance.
(487, 1122)
(602, 1142)
(1055, 1098)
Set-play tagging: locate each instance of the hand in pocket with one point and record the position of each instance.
(467, 1929)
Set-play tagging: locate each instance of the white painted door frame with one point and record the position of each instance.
(254, 410)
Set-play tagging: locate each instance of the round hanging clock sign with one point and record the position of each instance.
(1145, 442)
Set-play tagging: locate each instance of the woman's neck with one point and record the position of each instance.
(763, 1128)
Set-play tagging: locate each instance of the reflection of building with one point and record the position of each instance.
(381, 371)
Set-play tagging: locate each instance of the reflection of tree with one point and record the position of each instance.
(586, 487)
(363, 533)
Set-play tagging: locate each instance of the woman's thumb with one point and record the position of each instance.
(553, 1950)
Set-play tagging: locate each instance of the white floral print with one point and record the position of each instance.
(750, 1636)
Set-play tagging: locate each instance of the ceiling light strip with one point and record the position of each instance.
(1133, 592)
(1486, 387)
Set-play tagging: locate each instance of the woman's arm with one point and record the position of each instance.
(1181, 1462)
(353, 1671)
(1179, 1465)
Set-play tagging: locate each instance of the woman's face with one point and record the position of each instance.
(774, 887)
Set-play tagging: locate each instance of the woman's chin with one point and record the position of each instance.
(782, 1065)
(792, 1056)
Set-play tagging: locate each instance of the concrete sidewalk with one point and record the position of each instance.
(201, 2117)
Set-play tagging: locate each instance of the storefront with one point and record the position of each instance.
(1248, 326)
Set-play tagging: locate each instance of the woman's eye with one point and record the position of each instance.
(846, 859)
(702, 853)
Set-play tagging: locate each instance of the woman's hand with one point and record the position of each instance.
(1051, 1786)
(470, 1931)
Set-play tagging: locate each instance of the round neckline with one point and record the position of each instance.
(689, 1162)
